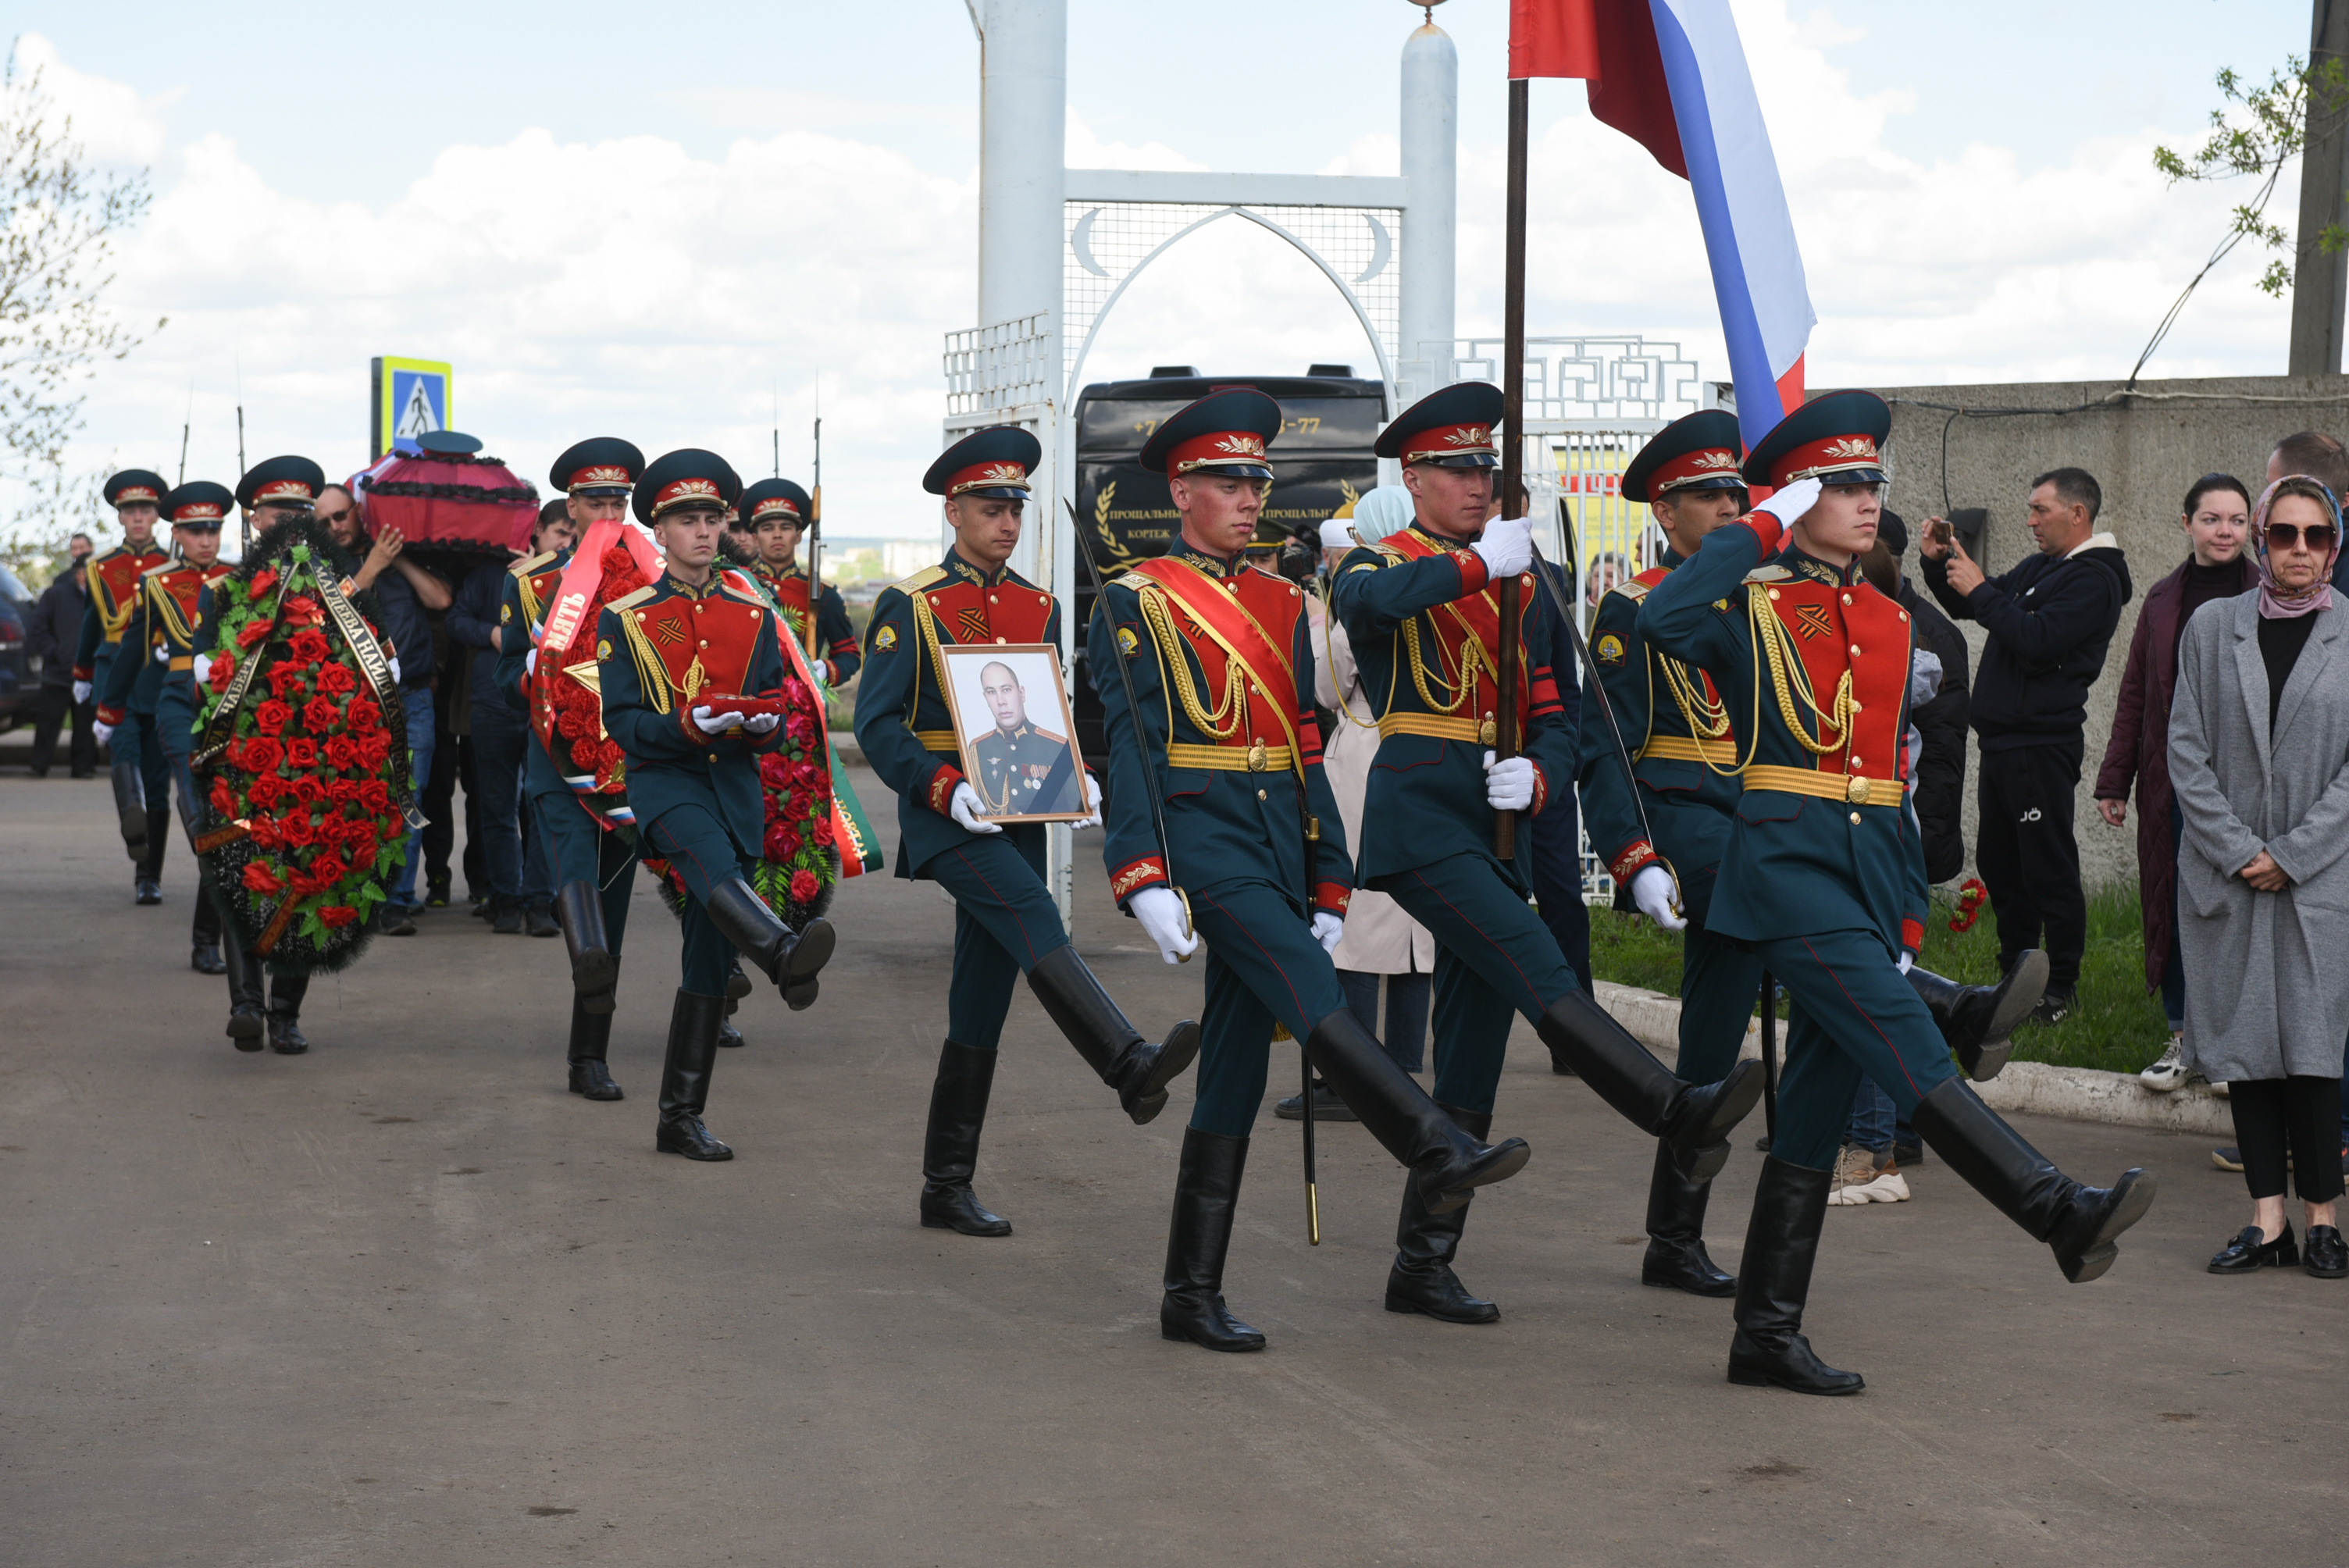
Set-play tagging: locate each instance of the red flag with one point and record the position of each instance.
(1611, 44)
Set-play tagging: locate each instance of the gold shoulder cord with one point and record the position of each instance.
(1770, 632)
(1707, 718)
(531, 610)
(926, 631)
(651, 673)
(1230, 711)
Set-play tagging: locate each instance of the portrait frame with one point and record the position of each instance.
(997, 777)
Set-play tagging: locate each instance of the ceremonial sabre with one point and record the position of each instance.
(1770, 1055)
(1134, 712)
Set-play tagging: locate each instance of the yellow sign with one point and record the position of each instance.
(407, 398)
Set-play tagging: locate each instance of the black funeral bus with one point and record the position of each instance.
(1323, 458)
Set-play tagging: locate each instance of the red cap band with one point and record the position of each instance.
(1706, 463)
(684, 492)
(1217, 448)
(1819, 460)
(1449, 441)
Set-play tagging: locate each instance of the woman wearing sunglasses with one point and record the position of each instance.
(2259, 758)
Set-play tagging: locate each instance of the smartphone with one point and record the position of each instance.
(1941, 531)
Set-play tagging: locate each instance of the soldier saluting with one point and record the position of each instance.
(1005, 918)
(1664, 849)
(1824, 876)
(1221, 726)
(1426, 628)
(141, 780)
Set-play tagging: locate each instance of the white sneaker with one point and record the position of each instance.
(1858, 1180)
(2171, 1072)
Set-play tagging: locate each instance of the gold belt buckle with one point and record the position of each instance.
(1257, 757)
(1858, 790)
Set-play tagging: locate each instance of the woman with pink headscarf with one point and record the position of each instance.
(2259, 758)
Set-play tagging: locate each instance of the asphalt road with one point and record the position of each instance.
(405, 1301)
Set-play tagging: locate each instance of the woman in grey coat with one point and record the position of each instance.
(2258, 757)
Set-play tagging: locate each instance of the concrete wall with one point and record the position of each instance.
(2144, 448)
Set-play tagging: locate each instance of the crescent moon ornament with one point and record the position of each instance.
(1081, 241)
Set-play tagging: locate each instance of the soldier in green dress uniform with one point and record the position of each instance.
(142, 782)
(1824, 876)
(1006, 922)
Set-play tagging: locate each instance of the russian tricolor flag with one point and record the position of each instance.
(1671, 75)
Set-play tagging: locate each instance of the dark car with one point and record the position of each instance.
(20, 675)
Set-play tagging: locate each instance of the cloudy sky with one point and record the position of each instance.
(665, 224)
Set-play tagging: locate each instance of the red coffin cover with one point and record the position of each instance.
(475, 503)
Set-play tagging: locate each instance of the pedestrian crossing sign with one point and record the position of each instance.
(407, 398)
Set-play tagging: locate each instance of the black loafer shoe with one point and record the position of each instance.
(285, 1037)
(686, 1136)
(205, 959)
(2324, 1256)
(245, 1026)
(1327, 1106)
(727, 1035)
(2251, 1251)
(146, 890)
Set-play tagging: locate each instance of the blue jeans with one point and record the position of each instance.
(418, 703)
(1405, 1034)
(1873, 1119)
(498, 742)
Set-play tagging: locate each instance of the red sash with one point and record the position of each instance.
(1241, 636)
(1475, 615)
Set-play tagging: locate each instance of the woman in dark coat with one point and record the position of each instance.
(2217, 520)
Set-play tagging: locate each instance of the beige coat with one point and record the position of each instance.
(1380, 939)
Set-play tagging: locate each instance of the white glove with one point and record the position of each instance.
(393, 661)
(1906, 959)
(1160, 914)
(103, 731)
(761, 723)
(710, 723)
(822, 670)
(1653, 890)
(81, 691)
(1508, 786)
(530, 663)
(1329, 930)
(163, 656)
(1507, 546)
(1093, 804)
(203, 668)
(964, 809)
(1924, 677)
(1789, 504)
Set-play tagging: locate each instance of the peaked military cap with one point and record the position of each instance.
(281, 481)
(134, 485)
(1455, 427)
(1695, 451)
(687, 477)
(994, 462)
(1837, 439)
(198, 504)
(775, 498)
(602, 465)
(1223, 434)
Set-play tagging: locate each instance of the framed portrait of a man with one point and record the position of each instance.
(1012, 726)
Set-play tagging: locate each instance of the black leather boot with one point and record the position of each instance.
(1446, 1163)
(204, 932)
(1119, 1055)
(1781, 1242)
(1676, 1256)
(131, 808)
(1975, 1020)
(1421, 1279)
(2082, 1224)
(148, 881)
(950, 1146)
(285, 993)
(1207, 1192)
(1694, 1121)
(591, 1036)
(790, 959)
(246, 1005)
(595, 967)
(738, 986)
(685, 1079)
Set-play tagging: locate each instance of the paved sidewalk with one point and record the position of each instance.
(404, 1301)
